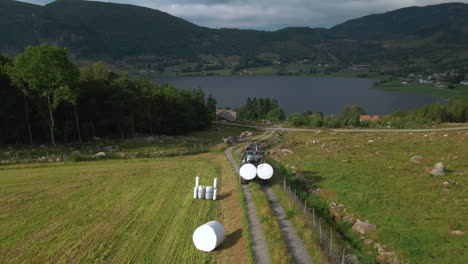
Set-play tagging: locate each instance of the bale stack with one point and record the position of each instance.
(205, 192)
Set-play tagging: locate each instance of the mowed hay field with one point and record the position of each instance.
(116, 211)
(371, 174)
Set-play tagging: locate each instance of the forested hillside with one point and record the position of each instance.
(114, 32)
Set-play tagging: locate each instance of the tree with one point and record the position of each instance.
(46, 72)
(6, 64)
(296, 119)
(275, 115)
(211, 104)
(96, 71)
(349, 115)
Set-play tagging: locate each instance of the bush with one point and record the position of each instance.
(79, 158)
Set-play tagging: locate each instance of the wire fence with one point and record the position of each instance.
(331, 241)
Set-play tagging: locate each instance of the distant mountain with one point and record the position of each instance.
(443, 20)
(114, 32)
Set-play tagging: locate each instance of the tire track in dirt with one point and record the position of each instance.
(259, 246)
(295, 245)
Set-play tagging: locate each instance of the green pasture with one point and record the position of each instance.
(371, 174)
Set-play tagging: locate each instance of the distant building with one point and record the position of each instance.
(424, 81)
(442, 85)
(360, 67)
(226, 115)
(369, 118)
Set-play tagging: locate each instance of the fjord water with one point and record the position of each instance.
(301, 93)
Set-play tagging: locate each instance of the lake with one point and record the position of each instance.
(300, 93)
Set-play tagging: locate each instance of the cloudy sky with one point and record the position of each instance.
(271, 14)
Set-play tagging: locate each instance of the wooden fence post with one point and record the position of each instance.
(313, 216)
(320, 230)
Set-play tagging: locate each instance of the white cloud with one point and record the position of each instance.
(272, 14)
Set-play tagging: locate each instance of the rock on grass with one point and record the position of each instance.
(438, 169)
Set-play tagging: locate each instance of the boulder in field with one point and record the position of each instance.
(99, 155)
(111, 148)
(438, 169)
(379, 247)
(349, 218)
(363, 227)
(416, 159)
(351, 259)
(247, 134)
(230, 140)
(286, 152)
(226, 115)
(336, 210)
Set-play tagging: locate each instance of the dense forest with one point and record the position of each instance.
(260, 109)
(44, 98)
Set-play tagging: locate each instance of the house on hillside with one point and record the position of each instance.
(369, 118)
(442, 85)
(226, 115)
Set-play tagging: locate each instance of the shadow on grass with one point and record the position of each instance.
(231, 239)
(223, 196)
(312, 177)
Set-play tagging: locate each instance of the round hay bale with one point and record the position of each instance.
(265, 171)
(248, 171)
(209, 236)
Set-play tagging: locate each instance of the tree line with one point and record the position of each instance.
(45, 97)
(455, 111)
(260, 109)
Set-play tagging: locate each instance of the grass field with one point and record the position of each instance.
(415, 213)
(116, 211)
(140, 147)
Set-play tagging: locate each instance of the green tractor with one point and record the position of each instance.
(253, 164)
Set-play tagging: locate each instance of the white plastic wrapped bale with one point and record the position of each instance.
(209, 193)
(195, 190)
(201, 192)
(265, 171)
(209, 236)
(248, 171)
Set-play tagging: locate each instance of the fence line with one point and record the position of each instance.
(332, 243)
